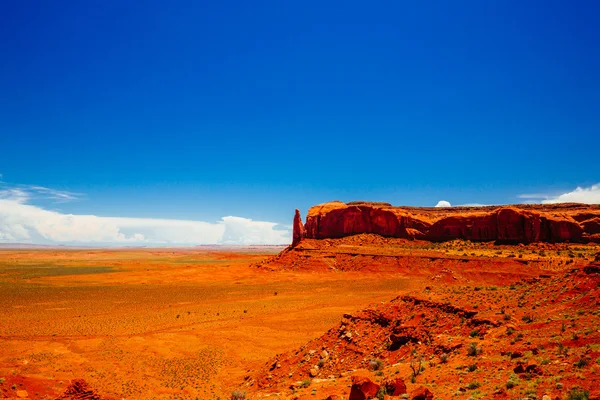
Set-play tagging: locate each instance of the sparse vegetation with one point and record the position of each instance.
(238, 395)
(512, 381)
(305, 383)
(416, 366)
(473, 350)
(376, 364)
(527, 319)
(578, 394)
(473, 385)
(582, 362)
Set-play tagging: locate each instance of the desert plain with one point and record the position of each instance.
(358, 316)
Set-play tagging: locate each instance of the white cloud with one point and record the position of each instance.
(29, 192)
(21, 222)
(589, 195)
(443, 203)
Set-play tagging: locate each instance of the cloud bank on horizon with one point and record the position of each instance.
(589, 195)
(22, 222)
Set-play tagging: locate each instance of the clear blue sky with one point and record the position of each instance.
(202, 109)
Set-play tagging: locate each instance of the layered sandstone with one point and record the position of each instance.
(507, 224)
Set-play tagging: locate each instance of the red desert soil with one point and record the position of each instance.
(327, 318)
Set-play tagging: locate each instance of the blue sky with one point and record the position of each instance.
(199, 110)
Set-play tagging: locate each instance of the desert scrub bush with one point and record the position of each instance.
(305, 383)
(473, 385)
(472, 367)
(444, 359)
(416, 365)
(2, 380)
(582, 362)
(473, 350)
(578, 394)
(513, 381)
(238, 395)
(562, 350)
(474, 333)
(527, 319)
(376, 364)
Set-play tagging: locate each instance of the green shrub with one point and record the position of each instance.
(513, 381)
(582, 362)
(578, 394)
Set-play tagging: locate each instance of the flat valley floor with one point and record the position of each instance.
(202, 323)
(161, 323)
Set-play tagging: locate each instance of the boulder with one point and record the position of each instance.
(363, 388)
(421, 393)
(591, 226)
(395, 387)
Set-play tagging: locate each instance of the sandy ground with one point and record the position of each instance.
(145, 324)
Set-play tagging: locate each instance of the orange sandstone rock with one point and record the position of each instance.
(298, 229)
(510, 224)
(363, 388)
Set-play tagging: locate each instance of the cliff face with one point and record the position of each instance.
(509, 224)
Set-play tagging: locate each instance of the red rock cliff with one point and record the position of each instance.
(298, 229)
(510, 224)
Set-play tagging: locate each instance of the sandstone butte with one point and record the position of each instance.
(514, 224)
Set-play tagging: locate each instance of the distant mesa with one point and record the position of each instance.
(514, 224)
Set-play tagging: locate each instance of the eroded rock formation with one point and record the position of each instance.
(507, 224)
(298, 232)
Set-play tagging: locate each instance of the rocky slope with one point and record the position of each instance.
(537, 338)
(505, 224)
